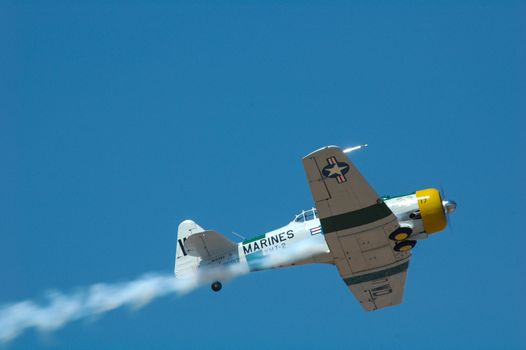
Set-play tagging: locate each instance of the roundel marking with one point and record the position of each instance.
(336, 170)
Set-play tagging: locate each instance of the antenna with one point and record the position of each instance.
(237, 234)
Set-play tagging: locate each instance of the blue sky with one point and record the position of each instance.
(118, 120)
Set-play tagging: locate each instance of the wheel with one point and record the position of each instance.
(404, 246)
(216, 286)
(400, 234)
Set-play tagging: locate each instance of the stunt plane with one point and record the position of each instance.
(368, 238)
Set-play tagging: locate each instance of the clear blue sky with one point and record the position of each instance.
(118, 120)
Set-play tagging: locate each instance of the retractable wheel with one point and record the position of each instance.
(400, 234)
(404, 246)
(216, 286)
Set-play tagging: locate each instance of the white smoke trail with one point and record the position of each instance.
(94, 300)
(101, 298)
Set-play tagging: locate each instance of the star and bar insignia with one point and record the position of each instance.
(336, 170)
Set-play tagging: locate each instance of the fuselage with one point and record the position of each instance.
(301, 241)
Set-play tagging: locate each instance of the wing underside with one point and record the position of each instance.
(357, 224)
(379, 289)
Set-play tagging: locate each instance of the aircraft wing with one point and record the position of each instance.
(208, 244)
(357, 224)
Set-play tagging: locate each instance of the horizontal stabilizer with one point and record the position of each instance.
(208, 244)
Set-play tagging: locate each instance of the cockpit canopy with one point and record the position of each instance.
(306, 215)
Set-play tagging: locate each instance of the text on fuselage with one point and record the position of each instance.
(267, 242)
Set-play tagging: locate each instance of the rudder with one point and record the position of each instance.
(185, 264)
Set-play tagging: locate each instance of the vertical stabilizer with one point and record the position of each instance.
(185, 264)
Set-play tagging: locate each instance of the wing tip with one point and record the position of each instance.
(321, 149)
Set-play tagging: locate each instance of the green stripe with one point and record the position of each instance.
(246, 241)
(355, 218)
(386, 197)
(377, 275)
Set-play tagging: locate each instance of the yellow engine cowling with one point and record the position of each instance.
(431, 210)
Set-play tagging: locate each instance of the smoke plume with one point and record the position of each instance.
(100, 298)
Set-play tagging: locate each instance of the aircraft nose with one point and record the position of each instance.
(450, 206)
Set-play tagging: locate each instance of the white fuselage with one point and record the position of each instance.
(302, 240)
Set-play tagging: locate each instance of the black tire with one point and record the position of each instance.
(404, 246)
(400, 234)
(216, 286)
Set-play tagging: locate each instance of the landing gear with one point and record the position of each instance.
(216, 286)
(400, 234)
(404, 246)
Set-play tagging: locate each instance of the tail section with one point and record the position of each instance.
(185, 264)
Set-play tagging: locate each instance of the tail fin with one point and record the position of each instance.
(184, 263)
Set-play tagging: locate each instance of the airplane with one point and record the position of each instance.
(367, 237)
